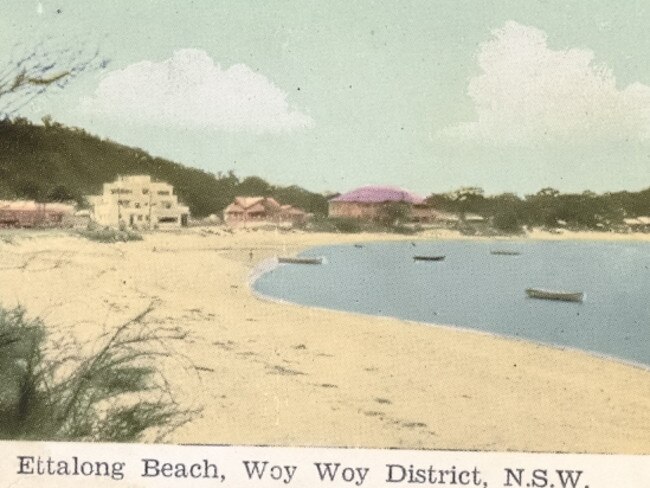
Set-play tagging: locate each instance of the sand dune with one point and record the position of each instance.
(280, 374)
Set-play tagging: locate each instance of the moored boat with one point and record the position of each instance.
(428, 258)
(505, 252)
(565, 296)
(299, 260)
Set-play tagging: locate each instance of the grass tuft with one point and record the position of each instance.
(115, 394)
(109, 235)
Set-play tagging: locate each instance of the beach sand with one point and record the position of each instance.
(267, 373)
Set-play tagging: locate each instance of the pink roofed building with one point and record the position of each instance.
(368, 202)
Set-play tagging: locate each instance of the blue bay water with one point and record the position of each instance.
(473, 289)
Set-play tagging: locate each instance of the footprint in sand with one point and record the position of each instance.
(383, 401)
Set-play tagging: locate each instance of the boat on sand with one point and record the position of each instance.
(565, 296)
(299, 260)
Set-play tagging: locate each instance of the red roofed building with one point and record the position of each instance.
(368, 203)
(261, 209)
(27, 213)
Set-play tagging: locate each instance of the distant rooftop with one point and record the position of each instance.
(379, 194)
(32, 206)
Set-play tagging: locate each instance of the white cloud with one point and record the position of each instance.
(527, 93)
(190, 90)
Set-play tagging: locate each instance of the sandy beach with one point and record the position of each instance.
(268, 373)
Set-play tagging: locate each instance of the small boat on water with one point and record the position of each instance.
(428, 258)
(504, 252)
(358, 246)
(298, 260)
(565, 296)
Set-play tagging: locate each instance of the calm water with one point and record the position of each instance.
(474, 289)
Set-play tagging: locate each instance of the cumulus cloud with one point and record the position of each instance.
(527, 92)
(190, 90)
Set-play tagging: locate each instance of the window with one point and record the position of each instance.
(167, 204)
(163, 192)
(124, 203)
(137, 205)
(167, 220)
(145, 191)
(140, 217)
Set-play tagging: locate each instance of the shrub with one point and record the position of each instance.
(466, 229)
(393, 214)
(115, 394)
(404, 229)
(508, 222)
(108, 235)
(319, 224)
(334, 224)
(349, 225)
(346, 225)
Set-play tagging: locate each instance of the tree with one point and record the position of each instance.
(254, 186)
(548, 192)
(442, 201)
(301, 198)
(543, 207)
(393, 213)
(506, 220)
(29, 73)
(469, 199)
(30, 190)
(60, 193)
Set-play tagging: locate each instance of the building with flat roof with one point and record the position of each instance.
(138, 202)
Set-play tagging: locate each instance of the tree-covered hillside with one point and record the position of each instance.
(54, 163)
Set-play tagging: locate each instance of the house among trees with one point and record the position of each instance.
(138, 202)
(638, 224)
(28, 213)
(262, 209)
(375, 202)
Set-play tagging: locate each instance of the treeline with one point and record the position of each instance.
(547, 208)
(52, 162)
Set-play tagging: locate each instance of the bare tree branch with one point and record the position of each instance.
(30, 73)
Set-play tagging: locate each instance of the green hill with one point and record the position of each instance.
(55, 163)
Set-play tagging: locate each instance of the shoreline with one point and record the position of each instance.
(469, 330)
(263, 268)
(283, 374)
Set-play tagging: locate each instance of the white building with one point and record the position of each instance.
(138, 202)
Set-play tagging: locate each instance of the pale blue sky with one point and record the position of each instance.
(341, 94)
